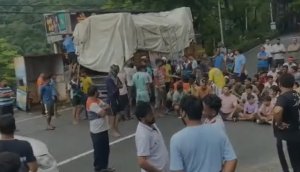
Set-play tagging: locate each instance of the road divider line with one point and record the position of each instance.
(40, 116)
(91, 151)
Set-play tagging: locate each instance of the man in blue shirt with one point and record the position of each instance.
(200, 148)
(263, 64)
(239, 65)
(48, 101)
(70, 50)
(219, 61)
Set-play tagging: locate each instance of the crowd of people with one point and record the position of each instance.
(202, 94)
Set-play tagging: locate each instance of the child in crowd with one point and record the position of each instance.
(274, 93)
(249, 91)
(264, 115)
(255, 90)
(169, 100)
(250, 109)
(268, 85)
(204, 89)
(238, 88)
(177, 96)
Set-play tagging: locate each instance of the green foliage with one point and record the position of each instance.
(7, 53)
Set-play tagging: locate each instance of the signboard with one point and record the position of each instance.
(57, 23)
(21, 83)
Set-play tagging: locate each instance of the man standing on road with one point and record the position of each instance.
(113, 84)
(6, 99)
(142, 81)
(159, 84)
(278, 52)
(286, 122)
(200, 148)
(39, 84)
(151, 149)
(269, 50)
(48, 101)
(97, 111)
(9, 144)
(239, 65)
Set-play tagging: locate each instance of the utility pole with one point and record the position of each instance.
(246, 19)
(272, 24)
(220, 20)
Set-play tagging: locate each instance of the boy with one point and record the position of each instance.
(250, 109)
(265, 111)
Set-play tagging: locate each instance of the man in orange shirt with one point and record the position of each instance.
(39, 83)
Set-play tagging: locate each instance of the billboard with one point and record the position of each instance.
(57, 23)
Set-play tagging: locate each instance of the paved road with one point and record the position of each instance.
(254, 144)
(71, 145)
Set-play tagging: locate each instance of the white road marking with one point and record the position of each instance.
(40, 116)
(91, 151)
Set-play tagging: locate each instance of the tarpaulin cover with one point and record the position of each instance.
(103, 40)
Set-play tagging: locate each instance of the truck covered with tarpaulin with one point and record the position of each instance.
(106, 39)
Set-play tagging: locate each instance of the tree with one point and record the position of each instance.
(7, 54)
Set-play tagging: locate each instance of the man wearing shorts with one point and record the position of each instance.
(48, 101)
(112, 85)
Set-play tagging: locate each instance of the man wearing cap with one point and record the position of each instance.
(278, 52)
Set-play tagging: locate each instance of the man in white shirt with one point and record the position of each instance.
(152, 152)
(269, 50)
(294, 46)
(97, 111)
(278, 53)
(123, 98)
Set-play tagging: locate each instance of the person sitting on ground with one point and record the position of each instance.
(250, 109)
(193, 86)
(290, 63)
(238, 88)
(204, 89)
(284, 69)
(177, 96)
(9, 162)
(248, 81)
(268, 85)
(273, 72)
(265, 111)
(297, 87)
(249, 91)
(295, 71)
(274, 93)
(229, 104)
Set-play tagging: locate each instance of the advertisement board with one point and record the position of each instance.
(57, 23)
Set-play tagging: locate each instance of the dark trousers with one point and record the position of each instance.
(101, 150)
(278, 62)
(293, 149)
(8, 109)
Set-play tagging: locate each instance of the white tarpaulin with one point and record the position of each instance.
(103, 40)
(167, 32)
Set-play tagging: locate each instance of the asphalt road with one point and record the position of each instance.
(72, 148)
